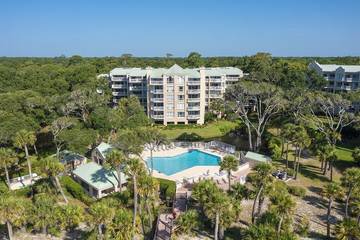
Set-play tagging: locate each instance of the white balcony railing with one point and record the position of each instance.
(215, 96)
(215, 80)
(118, 86)
(194, 91)
(193, 108)
(157, 108)
(193, 99)
(232, 78)
(156, 99)
(119, 93)
(157, 91)
(157, 116)
(214, 88)
(197, 116)
(156, 82)
(118, 79)
(193, 83)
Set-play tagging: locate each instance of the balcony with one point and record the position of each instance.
(118, 79)
(215, 80)
(157, 116)
(157, 108)
(157, 91)
(136, 80)
(348, 79)
(118, 86)
(197, 116)
(156, 82)
(193, 83)
(232, 78)
(119, 93)
(136, 88)
(215, 88)
(215, 96)
(194, 91)
(193, 108)
(157, 100)
(193, 99)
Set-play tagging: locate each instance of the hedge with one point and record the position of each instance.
(167, 188)
(76, 190)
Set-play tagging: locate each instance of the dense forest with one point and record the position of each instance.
(52, 104)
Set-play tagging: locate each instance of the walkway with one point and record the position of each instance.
(165, 221)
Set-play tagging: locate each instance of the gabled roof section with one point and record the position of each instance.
(334, 67)
(104, 148)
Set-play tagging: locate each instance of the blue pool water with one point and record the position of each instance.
(178, 163)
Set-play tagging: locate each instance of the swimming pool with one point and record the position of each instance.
(178, 163)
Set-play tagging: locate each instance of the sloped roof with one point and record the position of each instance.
(257, 157)
(97, 176)
(104, 148)
(334, 67)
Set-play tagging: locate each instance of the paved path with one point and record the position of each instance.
(164, 226)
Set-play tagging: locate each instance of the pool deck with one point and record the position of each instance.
(195, 173)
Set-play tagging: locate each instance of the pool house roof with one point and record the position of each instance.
(257, 157)
(97, 176)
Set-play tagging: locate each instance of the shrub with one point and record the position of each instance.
(297, 191)
(75, 190)
(167, 188)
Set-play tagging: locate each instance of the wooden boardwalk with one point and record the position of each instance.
(165, 221)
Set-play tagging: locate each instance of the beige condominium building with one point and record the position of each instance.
(173, 95)
(340, 78)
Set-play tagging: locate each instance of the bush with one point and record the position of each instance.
(167, 188)
(297, 191)
(210, 117)
(75, 190)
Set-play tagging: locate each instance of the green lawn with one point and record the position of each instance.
(205, 132)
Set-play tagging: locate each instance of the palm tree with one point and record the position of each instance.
(43, 212)
(220, 208)
(51, 167)
(148, 190)
(154, 138)
(283, 207)
(7, 157)
(229, 163)
(261, 180)
(23, 139)
(287, 135)
(350, 181)
(12, 209)
(356, 155)
(116, 159)
(187, 221)
(331, 192)
(239, 192)
(121, 227)
(134, 168)
(347, 230)
(302, 140)
(101, 215)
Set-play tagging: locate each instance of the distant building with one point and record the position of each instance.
(173, 95)
(340, 78)
(96, 180)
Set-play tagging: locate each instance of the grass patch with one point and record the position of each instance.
(205, 132)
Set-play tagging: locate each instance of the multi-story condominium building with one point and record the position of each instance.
(173, 95)
(341, 78)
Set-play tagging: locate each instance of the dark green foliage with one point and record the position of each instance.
(75, 190)
(297, 191)
(167, 188)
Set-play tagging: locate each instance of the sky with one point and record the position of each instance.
(48, 28)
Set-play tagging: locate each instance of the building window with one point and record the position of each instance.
(170, 106)
(181, 88)
(170, 80)
(180, 81)
(180, 97)
(170, 114)
(181, 114)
